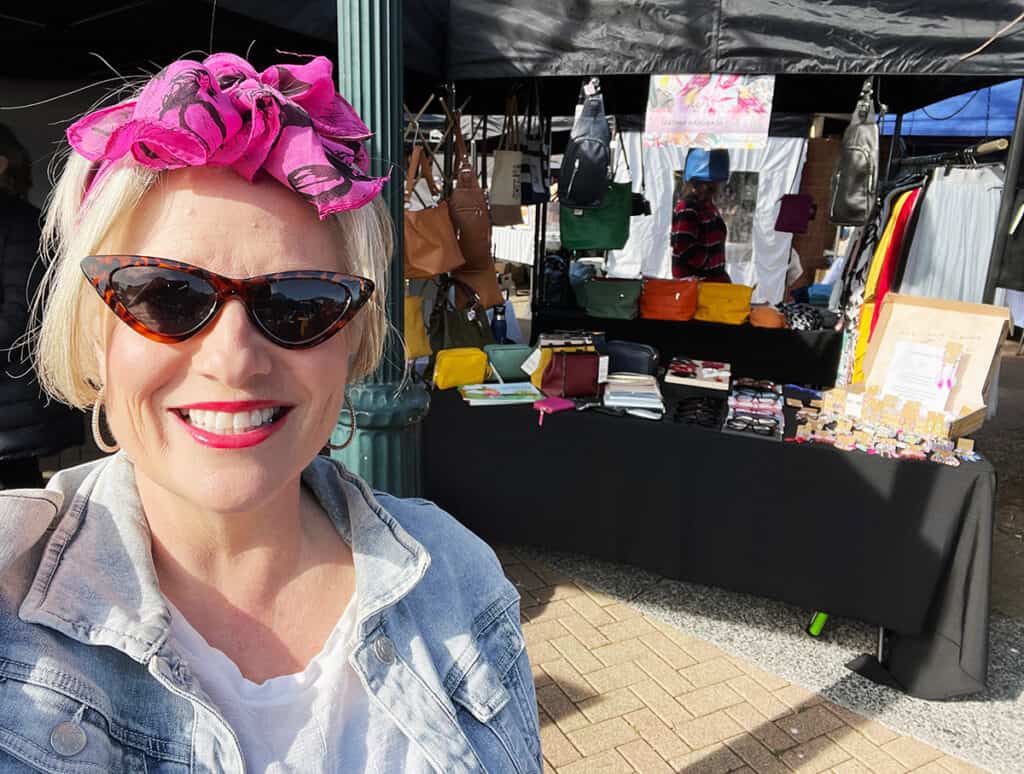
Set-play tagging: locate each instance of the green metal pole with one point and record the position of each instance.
(386, 448)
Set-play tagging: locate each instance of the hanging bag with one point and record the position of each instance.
(602, 228)
(536, 172)
(855, 179)
(417, 344)
(583, 178)
(455, 324)
(430, 244)
(472, 222)
(506, 181)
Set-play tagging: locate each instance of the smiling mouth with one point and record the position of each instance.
(232, 422)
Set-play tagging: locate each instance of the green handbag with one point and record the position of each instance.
(506, 361)
(602, 228)
(617, 299)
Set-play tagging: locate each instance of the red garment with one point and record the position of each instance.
(698, 241)
(891, 261)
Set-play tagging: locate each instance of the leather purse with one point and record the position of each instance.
(467, 207)
(617, 299)
(632, 357)
(484, 282)
(416, 342)
(796, 211)
(571, 375)
(455, 324)
(605, 227)
(767, 317)
(507, 361)
(668, 299)
(548, 352)
(430, 244)
(460, 366)
(723, 302)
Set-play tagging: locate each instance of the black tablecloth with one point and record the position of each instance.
(785, 356)
(901, 544)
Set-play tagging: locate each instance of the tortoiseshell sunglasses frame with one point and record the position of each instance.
(99, 269)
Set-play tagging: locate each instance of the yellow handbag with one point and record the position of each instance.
(545, 357)
(416, 342)
(460, 366)
(722, 302)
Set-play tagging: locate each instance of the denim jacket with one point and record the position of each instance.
(91, 684)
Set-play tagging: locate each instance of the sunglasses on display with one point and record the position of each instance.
(760, 425)
(170, 301)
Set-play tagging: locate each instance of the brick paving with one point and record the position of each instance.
(620, 692)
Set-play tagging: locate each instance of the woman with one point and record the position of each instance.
(32, 426)
(216, 597)
(698, 230)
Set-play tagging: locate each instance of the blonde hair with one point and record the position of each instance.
(64, 309)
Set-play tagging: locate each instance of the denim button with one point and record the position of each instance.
(384, 650)
(67, 739)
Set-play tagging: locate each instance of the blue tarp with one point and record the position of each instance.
(987, 112)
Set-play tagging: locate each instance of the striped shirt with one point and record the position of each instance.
(698, 240)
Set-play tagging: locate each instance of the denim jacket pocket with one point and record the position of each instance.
(494, 692)
(46, 729)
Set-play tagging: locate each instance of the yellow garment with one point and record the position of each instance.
(867, 310)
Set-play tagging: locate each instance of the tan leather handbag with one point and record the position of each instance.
(467, 206)
(430, 244)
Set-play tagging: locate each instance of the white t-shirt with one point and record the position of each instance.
(318, 721)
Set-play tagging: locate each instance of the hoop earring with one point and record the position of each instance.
(352, 425)
(97, 435)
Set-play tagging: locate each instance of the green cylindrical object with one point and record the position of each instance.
(386, 448)
(817, 624)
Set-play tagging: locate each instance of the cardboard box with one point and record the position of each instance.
(979, 330)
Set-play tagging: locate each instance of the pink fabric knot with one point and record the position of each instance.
(287, 120)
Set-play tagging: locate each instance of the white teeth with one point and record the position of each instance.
(228, 423)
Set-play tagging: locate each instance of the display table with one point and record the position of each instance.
(900, 544)
(785, 356)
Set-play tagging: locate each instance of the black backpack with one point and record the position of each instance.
(855, 179)
(583, 179)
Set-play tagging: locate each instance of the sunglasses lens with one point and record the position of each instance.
(297, 311)
(163, 300)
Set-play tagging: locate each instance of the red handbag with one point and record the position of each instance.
(668, 299)
(796, 211)
(571, 375)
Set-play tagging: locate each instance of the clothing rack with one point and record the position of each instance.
(964, 156)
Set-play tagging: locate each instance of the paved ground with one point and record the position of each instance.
(638, 673)
(620, 691)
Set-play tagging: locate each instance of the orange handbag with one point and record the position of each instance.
(767, 317)
(430, 244)
(668, 299)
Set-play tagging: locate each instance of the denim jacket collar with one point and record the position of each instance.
(97, 584)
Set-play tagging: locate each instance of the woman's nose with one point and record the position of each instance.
(231, 349)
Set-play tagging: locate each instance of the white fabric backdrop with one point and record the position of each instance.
(648, 251)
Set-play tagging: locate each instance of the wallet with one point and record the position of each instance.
(551, 406)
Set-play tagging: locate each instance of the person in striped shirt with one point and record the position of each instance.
(699, 234)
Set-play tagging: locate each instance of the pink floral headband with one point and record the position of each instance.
(288, 120)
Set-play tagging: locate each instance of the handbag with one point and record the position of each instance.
(580, 274)
(855, 178)
(459, 366)
(430, 244)
(507, 360)
(547, 352)
(632, 357)
(723, 302)
(571, 375)
(767, 317)
(617, 299)
(668, 299)
(605, 227)
(458, 325)
(535, 177)
(417, 344)
(484, 282)
(796, 211)
(467, 206)
(506, 181)
(583, 177)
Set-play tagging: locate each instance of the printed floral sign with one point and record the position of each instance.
(709, 111)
